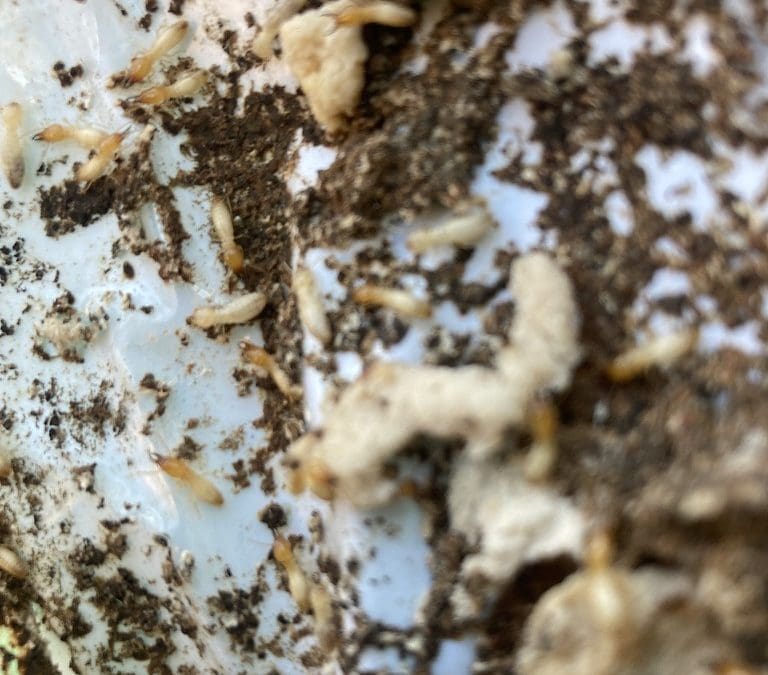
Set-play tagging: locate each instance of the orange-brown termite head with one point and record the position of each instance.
(201, 487)
(97, 164)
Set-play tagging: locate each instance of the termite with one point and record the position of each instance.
(141, 65)
(96, 165)
(88, 138)
(5, 464)
(660, 351)
(182, 88)
(202, 488)
(399, 301)
(261, 358)
(11, 153)
(240, 310)
(297, 582)
(541, 457)
(463, 230)
(311, 310)
(222, 224)
(325, 620)
(11, 563)
(381, 12)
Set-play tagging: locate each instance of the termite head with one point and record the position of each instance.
(234, 258)
(52, 134)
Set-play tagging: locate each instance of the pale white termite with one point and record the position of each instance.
(88, 138)
(262, 359)
(310, 302)
(222, 224)
(377, 11)
(297, 582)
(399, 301)
(240, 310)
(11, 563)
(463, 229)
(202, 488)
(142, 64)
(97, 164)
(660, 351)
(182, 88)
(11, 153)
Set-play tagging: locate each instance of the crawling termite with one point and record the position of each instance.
(97, 164)
(464, 229)
(12, 564)
(541, 457)
(325, 619)
(399, 301)
(142, 64)
(88, 138)
(377, 11)
(262, 359)
(240, 310)
(11, 153)
(311, 310)
(222, 224)
(659, 352)
(297, 582)
(182, 88)
(202, 488)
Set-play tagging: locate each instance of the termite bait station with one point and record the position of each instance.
(392, 403)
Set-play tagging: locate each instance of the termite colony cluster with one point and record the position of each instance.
(603, 619)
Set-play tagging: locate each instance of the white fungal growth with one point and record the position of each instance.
(510, 520)
(222, 224)
(392, 403)
(328, 57)
(182, 88)
(609, 621)
(88, 138)
(240, 310)
(266, 362)
(12, 564)
(142, 65)
(11, 153)
(399, 301)
(282, 11)
(310, 302)
(660, 352)
(465, 229)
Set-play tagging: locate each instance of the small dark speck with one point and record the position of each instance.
(128, 270)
